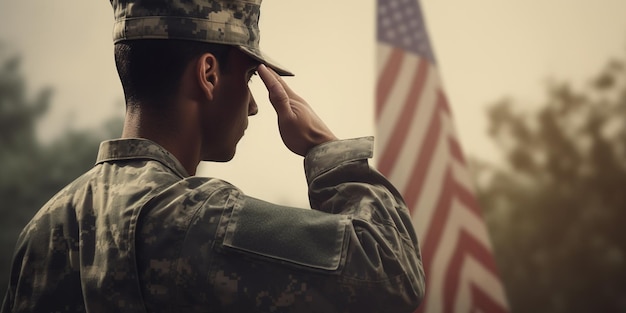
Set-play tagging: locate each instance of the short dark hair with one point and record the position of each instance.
(150, 69)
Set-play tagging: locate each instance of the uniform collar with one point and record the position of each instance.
(138, 148)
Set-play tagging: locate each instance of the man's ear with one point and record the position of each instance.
(207, 73)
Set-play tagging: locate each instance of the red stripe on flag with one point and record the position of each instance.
(455, 150)
(387, 79)
(431, 239)
(413, 189)
(483, 302)
(450, 190)
(437, 223)
(467, 246)
(403, 123)
(467, 198)
(444, 104)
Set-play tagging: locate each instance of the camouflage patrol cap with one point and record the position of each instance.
(230, 22)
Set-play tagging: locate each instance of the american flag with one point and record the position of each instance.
(421, 155)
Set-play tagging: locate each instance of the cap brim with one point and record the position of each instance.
(263, 58)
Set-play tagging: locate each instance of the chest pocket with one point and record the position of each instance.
(304, 237)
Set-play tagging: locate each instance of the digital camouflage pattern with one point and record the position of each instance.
(138, 234)
(230, 22)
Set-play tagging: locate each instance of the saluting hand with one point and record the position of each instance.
(300, 128)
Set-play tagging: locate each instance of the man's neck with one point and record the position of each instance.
(167, 130)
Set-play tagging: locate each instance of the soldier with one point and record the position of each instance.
(140, 233)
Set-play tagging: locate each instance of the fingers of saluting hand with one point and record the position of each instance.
(300, 128)
(277, 88)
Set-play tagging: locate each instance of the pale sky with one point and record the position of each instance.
(486, 50)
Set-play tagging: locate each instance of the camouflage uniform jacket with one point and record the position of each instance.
(138, 234)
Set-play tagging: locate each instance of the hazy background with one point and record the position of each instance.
(488, 51)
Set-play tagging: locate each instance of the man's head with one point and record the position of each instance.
(203, 51)
(199, 85)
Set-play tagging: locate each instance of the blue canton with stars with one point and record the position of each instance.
(401, 24)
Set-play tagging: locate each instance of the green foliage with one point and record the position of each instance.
(31, 172)
(556, 208)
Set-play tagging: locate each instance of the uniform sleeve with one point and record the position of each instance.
(355, 251)
(382, 250)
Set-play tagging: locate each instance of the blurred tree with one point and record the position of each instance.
(557, 206)
(31, 172)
